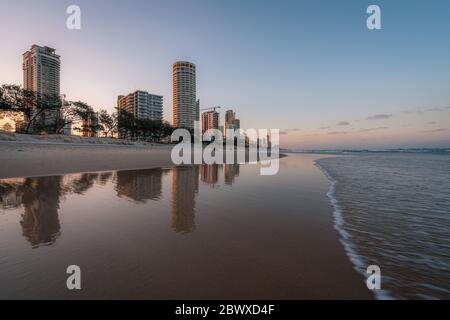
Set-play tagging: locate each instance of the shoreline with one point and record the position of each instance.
(31, 158)
(355, 259)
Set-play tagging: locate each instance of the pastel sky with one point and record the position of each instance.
(309, 68)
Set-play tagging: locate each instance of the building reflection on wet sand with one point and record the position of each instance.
(40, 200)
(231, 172)
(184, 192)
(141, 185)
(40, 197)
(40, 220)
(210, 173)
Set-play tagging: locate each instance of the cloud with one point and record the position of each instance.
(422, 111)
(287, 131)
(432, 122)
(343, 123)
(427, 110)
(435, 109)
(373, 129)
(436, 130)
(337, 132)
(324, 128)
(379, 117)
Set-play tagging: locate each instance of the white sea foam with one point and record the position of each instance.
(359, 263)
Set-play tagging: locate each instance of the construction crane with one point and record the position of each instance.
(213, 108)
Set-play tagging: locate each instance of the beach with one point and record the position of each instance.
(191, 232)
(26, 159)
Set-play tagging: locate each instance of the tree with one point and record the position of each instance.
(85, 113)
(126, 125)
(167, 129)
(145, 129)
(67, 116)
(107, 122)
(13, 98)
(32, 104)
(39, 104)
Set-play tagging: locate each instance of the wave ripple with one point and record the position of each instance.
(393, 210)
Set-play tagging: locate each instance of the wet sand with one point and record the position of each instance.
(203, 232)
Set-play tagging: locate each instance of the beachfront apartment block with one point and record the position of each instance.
(185, 104)
(231, 122)
(142, 105)
(41, 74)
(210, 120)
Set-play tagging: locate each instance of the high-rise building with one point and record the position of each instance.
(210, 120)
(41, 74)
(237, 124)
(229, 116)
(41, 70)
(197, 110)
(185, 104)
(142, 105)
(231, 122)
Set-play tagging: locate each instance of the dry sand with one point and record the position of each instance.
(25, 159)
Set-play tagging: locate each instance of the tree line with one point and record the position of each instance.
(29, 108)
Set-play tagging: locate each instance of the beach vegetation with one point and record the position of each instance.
(107, 122)
(143, 129)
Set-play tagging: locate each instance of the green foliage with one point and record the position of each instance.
(34, 106)
(142, 129)
(107, 122)
(31, 104)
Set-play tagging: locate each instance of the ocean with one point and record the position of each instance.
(392, 209)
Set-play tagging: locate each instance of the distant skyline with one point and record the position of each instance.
(310, 68)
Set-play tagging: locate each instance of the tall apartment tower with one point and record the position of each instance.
(231, 122)
(210, 120)
(197, 110)
(230, 116)
(185, 104)
(41, 70)
(142, 105)
(41, 74)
